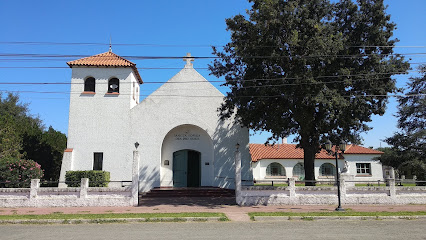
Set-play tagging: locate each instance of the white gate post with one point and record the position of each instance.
(135, 179)
(84, 185)
(292, 188)
(238, 175)
(35, 185)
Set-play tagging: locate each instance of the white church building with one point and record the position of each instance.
(176, 130)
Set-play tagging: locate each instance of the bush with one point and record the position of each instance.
(17, 173)
(96, 178)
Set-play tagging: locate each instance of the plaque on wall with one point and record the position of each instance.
(187, 136)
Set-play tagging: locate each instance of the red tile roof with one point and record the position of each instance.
(355, 149)
(289, 151)
(107, 59)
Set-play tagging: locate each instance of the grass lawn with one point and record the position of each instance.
(113, 215)
(347, 213)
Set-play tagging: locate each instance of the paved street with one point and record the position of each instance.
(337, 229)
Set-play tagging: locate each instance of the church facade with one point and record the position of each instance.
(180, 140)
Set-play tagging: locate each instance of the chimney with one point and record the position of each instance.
(284, 140)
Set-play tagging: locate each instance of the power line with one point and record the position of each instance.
(170, 45)
(236, 80)
(134, 57)
(216, 96)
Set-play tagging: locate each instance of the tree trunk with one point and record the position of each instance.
(309, 162)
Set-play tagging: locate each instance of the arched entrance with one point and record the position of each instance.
(186, 168)
(187, 158)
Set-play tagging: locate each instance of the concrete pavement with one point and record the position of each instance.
(233, 212)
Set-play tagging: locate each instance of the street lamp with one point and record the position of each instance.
(342, 148)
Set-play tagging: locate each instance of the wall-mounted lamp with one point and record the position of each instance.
(136, 145)
(237, 146)
(166, 162)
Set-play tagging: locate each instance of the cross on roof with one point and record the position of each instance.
(189, 59)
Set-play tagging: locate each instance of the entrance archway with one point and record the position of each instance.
(192, 148)
(186, 168)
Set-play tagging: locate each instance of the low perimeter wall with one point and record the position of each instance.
(68, 197)
(292, 195)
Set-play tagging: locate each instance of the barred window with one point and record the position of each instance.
(299, 171)
(363, 168)
(275, 169)
(327, 170)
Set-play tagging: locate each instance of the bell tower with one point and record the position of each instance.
(104, 89)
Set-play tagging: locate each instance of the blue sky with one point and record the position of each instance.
(168, 28)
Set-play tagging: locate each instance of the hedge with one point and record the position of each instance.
(96, 178)
(17, 173)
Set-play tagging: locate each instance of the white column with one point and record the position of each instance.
(392, 189)
(343, 190)
(35, 185)
(135, 179)
(83, 187)
(66, 166)
(238, 177)
(292, 187)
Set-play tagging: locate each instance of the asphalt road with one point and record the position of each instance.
(323, 229)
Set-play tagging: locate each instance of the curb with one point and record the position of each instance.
(312, 218)
(113, 220)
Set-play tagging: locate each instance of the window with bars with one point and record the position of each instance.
(363, 168)
(327, 170)
(275, 169)
(299, 171)
(98, 158)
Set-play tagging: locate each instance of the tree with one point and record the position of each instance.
(24, 136)
(10, 143)
(312, 68)
(409, 144)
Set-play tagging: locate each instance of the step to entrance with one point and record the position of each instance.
(189, 192)
(188, 196)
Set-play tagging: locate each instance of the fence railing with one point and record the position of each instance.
(350, 183)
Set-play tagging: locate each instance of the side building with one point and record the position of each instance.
(284, 161)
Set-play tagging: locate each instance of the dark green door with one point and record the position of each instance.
(186, 168)
(194, 169)
(180, 168)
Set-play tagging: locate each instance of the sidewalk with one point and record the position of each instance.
(233, 212)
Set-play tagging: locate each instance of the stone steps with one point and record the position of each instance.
(188, 196)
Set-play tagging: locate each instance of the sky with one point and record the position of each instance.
(148, 28)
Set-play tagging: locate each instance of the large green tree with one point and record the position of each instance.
(23, 135)
(312, 68)
(408, 152)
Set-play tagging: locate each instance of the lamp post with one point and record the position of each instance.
(342, 148)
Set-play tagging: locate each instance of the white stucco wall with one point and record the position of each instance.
(100, 122)
(376, 166)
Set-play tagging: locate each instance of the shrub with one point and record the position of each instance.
(17, 173)
(96, 178)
